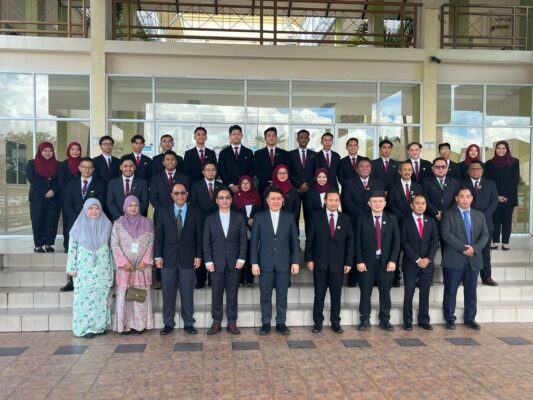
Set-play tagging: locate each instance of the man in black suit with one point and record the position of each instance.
(440, 189)
(377, 247)
(121, 187)
(329, 159)
(348, 164)
(224, 244)
(465, 234)
(106, 166)
(274, 252)
(420, 241)
(167, 144)
(267, 158)
(198, 156)
(302, 170)
(143, 164)
(329, 254)
(235, 160)
(486, 201)
(421, 168)
(384, 168)
(177, 252)
(454, 171)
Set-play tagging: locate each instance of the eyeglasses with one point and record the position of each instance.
(224, 197)
(167, 141)
(183, 193)
(282, 173)
(440, 166)
(86, 167)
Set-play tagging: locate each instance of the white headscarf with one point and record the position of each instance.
(91, 233)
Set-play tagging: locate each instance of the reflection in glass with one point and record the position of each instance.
(217, 136)
(61, 133)
(62, 96)
(400, 136)
(315, 135)
(460, 104)
(508, 105)
(255, 136)
(130, 98)
(364, 135)
(399, 103)
(16, 95)
(459, 138)
(268, 102)
(122, 132)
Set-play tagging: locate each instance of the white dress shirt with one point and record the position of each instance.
(274, 216)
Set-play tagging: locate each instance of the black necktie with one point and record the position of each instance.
(179, 223)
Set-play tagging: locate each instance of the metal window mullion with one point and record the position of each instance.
(290, 108)
(154, 111)
(245, 116)
(34, 139)
(377, 122)
(483, 119)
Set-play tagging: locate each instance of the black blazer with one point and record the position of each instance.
(485, 198)
(40, 185)
(312, 201)
(506, 179)
(414, 248)
(454, 171)
(73, 200)
(463, 168)
(160, 188)
(354, 196)
(397, 201)
(346, 171)
(333, 169)
(222, 250)
(298, 173)
(291, 203)
(424, 170)
(255, 209)
(178, 252)
(192, 166)
(102, 172)
(439, 199)
(230, 169)
(199, 197)
(263, 168)
(365, 240)
(386, 177)
(144, 169)
(65, 176)
(157, 164)
(115, 196)
(330, 253)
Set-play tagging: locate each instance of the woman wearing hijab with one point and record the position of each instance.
(319, 187)
(132, 240)
(473, 152)
(90, 263)
(504, 170)
(248, 202)
(291, 201)
(44, 197)
(68, 171)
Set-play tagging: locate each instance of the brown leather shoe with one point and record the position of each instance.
(215, 328)
(232, 328)
(489, 282)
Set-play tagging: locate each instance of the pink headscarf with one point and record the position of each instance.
(136, 225)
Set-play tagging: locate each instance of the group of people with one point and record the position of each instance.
(224, 221)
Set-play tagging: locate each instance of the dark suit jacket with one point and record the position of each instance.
(424, 170)
(365, 240)
(333, 169)
(144, 169)
(73, 198)
(397, 201)
(102, 172)
(438, 199)
(454, 171)
(160, 188)
(414, 248)
(64, 177)
(274, 251)
(158, 167)
(485, 199)
(222, 250)
(40, 185)
(263, 168)
(115, 196)
(291, 203)
(313, 202)
(506, 180)
(199, 197)
(330, 253)
(386, 177)
(463, 168)
(354, 196)
(298, 173)
(453, 234)
(346, 171)
(230, 169)
(178, 252)
(192, 166)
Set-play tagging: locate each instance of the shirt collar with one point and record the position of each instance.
(335, 213)
(135, 154)
(406, 182)
(417, 216)
(125, 177)
(463, 209)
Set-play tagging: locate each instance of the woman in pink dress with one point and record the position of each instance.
(132, 240)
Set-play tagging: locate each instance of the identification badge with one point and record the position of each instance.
(135, 248)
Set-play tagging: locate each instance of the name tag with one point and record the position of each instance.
(135, 248)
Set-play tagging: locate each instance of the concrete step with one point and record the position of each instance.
(32, 277)
(35, 260)
(60, 319)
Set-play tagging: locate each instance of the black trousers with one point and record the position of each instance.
(410, 279)
(226, 280)
(44, 217)
(452, 280)
(322, 279)
(201, 275)
(268, 281)
(486, 272)
(170, 278)
(375, 273)
(246, 271)
(503, 220)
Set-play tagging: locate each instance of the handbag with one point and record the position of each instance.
(136, 294)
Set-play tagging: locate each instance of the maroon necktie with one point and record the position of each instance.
(210, 185)
(420, 227)
(331, 225)
(202, 157)
(236, 152)
(272, 157)
(327, 159)
(127, 187)
(386, 166)
(303, 158)
(353, 164)
(138, 160)
(407, 193)
(170, 179)
(84, 189)
(378, 234)
(365, 184)
(416, 169)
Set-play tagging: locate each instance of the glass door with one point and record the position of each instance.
(366, 135)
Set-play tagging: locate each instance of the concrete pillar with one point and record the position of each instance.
(527, 30)
(429, 83)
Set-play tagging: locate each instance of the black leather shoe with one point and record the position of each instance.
(39, 250)
(215, 328)
(473, 325)
(265, 329)
(69, 287)
(408, 327)
(166, 330)
(386, 326)
(316, 328)
(396, 284)
(135, 332)
(126, 333)
(336, 328)
(450, 325)
(283, 329)
(364, 325)
(191, 330)
(89, 335)
(427, 327)
(49, 249)
(489, 282)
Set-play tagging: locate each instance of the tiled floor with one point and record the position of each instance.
(371, 365)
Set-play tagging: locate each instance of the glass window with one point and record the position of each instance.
(508, 105)
(460, 104)
(61, 133)
(130, 98)
(459, 138)
(122, 132)
(331, 102)
(16, 95)
(399, 103)
(315, 136)
(62, 96)
(268, 102)
(200, 100)
(400, 136)
(255, 136)
(364, 135)
(217, 136)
